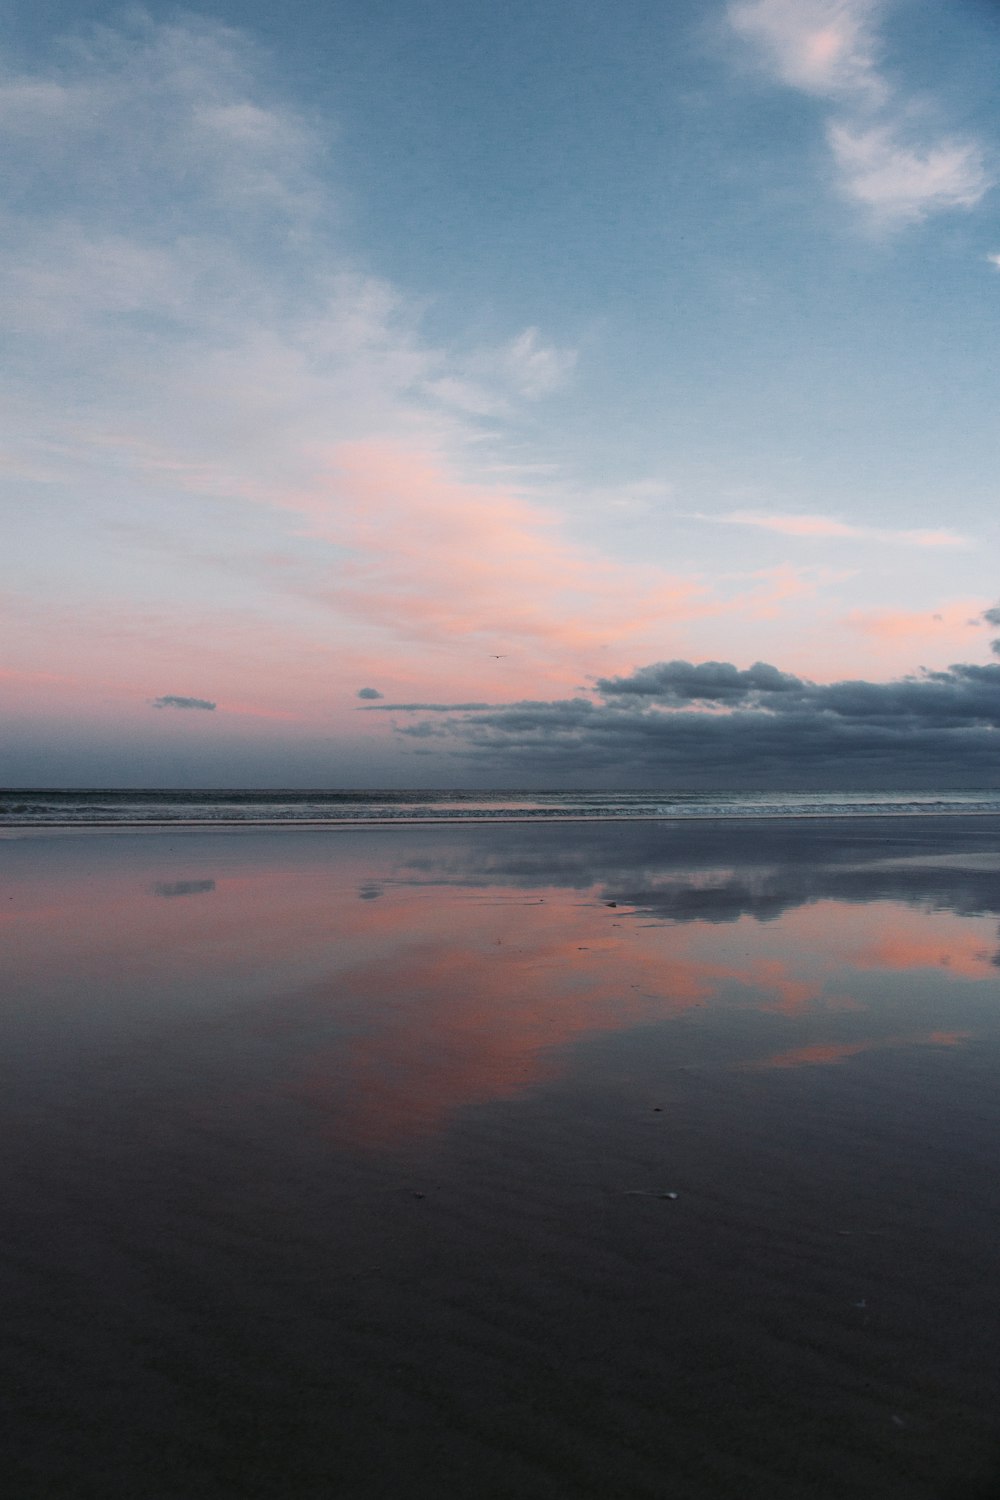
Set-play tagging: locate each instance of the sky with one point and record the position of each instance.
(521, 396)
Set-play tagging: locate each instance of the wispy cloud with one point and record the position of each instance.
(824, 47)
(534, 367)
(903, 183)
(490, 382)
(222, 363)
(887, 154)
(830, 528)
(439, 559)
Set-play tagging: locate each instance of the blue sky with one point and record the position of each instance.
(491, 354)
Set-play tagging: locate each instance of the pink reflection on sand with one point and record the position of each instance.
(961, 953)
(889, 935)
(470, 1017)
(385, 1017)
(824, 1054)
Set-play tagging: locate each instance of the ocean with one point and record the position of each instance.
(96, 807)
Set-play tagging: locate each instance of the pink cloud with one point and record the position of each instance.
(898, 640)
(916, 627)
(436, 559)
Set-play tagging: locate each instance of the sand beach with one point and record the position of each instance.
(640, 1160)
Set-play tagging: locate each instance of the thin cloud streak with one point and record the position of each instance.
(423, 708)
(828, 527)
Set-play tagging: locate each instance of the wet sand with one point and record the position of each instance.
(335, 1165)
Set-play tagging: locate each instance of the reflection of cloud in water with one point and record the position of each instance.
(960, 952)
(722, 872)
(183, 887)
(823, 1054)
(493, 953)
(476, 1001)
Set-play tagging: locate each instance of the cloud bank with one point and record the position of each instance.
(708, 724)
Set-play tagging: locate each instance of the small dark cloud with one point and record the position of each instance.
(172, 700)
(370, 693)
(183, 887)
(992, 617)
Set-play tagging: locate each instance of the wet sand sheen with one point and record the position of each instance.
(278, 1228)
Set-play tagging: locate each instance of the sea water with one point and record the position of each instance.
(96, 807)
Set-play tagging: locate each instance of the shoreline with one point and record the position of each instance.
(313, 825)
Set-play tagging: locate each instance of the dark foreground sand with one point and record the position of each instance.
(337, 1172)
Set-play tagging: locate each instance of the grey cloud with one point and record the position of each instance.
(759, 727)
(369, 693)
(171, 888)
(711, 681)
(992, 617)
(424, 730)
(171, 700)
